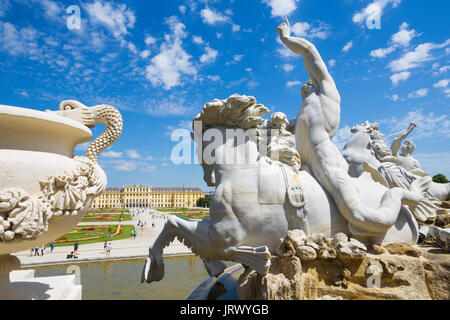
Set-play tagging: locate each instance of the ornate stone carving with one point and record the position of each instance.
(66, 193)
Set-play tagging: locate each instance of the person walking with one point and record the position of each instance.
(42, 249)
(75, 247)
(108, 249)
(36, 251)
(32, 250)
(52, 246)
(105, 245)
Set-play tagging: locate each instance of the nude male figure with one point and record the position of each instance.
(316, 125)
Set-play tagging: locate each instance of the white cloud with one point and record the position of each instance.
(442, 84)
(4, 7)
(19, 42)
(288, 67)
(342, 136)
(51, 9)
(401, 76)
(112, 154)
(235, 27)
(440, 70)
(116, 18)
(382, 53)
(132, 47)
(348, 46)
(306, 30)
(281, 8)
(236, 59)
(395, 97)
(197, 40)
(444, 69)
(169, 105)
(145, 54)
(149, 40)
(22, 92)
(210, 55)
(182, 9)
(415, 58)
(401, 38)
(124, 165)
(293, 83)
(404, 36)
(133, 154)
(148, 168)
(82, 147)
(429, 126)
(332, 63)
(213, 17)
(173, 61)
(418, 94)
(213, 78)
(373, 11)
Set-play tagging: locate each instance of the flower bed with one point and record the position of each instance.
(93, 234)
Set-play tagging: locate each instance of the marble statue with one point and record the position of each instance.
(303, 184)
(45, 191)
(367, 151)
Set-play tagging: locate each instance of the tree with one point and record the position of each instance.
(440, 178)
(204, 201)
(112, 229)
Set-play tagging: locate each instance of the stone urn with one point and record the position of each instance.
(44, 190)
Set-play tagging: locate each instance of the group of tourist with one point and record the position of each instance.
(39, 251)
(73, 254)
(107, 246)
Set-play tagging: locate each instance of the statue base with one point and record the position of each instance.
(22, 285)
(411, 273)
(317, 268)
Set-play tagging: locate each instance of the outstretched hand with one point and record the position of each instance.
(284, 29)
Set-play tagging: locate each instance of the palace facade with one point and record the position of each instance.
(146, 197)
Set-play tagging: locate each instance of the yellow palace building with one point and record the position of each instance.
(143, 197)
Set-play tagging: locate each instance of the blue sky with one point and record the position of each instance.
(160, 61)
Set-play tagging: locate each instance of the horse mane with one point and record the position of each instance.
(240, 111)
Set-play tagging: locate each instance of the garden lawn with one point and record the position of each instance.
(108, 210)
(92, 234)
(92, 217)
(196, 215)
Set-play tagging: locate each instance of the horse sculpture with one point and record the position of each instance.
(267, 185)
(260, 194)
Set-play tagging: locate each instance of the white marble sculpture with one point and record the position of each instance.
(261, 195)
(367, 151)
(45, 191)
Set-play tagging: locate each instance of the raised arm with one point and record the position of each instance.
(315, 66)
(395, 147)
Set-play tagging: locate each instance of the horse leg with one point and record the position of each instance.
(256, 258)
(174, 227)
(195, 235)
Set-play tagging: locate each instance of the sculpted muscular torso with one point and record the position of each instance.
(316, 125)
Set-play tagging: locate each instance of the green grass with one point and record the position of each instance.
(109, 210)
(180, 209)
(92, 217)
(126, 233)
